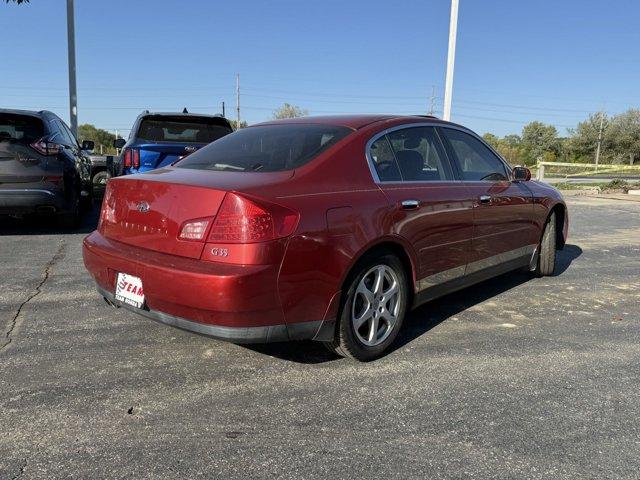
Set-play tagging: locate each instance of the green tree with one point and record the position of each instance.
(539, 139)
(583, 140)
(234, 124)
(17, 1)
(624, 135)
(289, 111)
(99, 136)
(491, 139)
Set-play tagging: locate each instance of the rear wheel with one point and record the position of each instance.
(99, 182)
(547, 257)
(71, 218)
(373, 311)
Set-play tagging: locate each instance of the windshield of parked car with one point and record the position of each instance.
(20, 128)
(267, 148)
(181, 129)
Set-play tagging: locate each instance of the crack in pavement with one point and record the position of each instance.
(47, 271)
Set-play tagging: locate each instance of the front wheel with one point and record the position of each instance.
(547, 257)
(373, 310)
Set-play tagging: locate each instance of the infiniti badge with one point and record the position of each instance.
(143, 207)
(190, 149)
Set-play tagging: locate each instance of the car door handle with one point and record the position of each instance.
(485, 198)
(410, 204)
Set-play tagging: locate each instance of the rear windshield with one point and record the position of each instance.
(177, 129)
(268, 148)
(20, 128)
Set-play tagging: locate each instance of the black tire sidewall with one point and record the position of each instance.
(347, 334)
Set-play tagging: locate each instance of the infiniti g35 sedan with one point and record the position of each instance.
(325, 228)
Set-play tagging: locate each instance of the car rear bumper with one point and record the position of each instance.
(238, 303)
(29, 200)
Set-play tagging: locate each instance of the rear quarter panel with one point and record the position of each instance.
(342, 214)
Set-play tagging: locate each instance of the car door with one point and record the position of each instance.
(431, 209)
(504, 230)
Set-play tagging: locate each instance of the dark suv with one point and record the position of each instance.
(43, 170)
(160, 139)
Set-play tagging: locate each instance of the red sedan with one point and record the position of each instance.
(327, 228)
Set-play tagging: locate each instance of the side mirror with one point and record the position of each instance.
(521, 174)
(119, 142)
(88, 145)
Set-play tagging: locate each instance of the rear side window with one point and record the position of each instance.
(476, 161)
(20, 128)
(384, 160)
(181, 129)
(268, 148)
(419, 155)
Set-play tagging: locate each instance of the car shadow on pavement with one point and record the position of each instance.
(424, 318)
(43, 225)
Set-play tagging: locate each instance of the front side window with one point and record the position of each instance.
(419, 154)
(267, 148)
(158, 128)
(476, 161)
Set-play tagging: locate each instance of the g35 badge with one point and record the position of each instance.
(220, 252)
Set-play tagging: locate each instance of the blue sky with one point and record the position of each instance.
(517, 61)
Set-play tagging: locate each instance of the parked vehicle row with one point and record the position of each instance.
(43, 169)
(325, 228)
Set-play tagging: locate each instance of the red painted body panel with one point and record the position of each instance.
(343, 214)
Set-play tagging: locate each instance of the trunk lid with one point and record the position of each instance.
(173, 196)
(156, 155)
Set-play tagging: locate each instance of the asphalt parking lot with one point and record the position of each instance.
(513, 378)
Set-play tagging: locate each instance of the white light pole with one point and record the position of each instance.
(451, 57)
(71, 48)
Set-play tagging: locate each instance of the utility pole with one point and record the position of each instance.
(432, 100)
(599, 140)
(451, 57)
(238, 101)
(223, 114)
(71, 48)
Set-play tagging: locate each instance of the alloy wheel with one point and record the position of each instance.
(376, 305)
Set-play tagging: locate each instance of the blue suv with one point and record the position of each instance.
(160, 139)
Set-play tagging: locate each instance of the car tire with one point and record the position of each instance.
(372, 312)
(547, 257)
(99, 181)
(71, 219)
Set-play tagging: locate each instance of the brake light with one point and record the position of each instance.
(194, 229)
(244, 220)
(126, 158)
(131, 158)
(46, 148)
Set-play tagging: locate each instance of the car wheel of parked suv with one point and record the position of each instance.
(71, 219)
(374, 308)
(547, 258)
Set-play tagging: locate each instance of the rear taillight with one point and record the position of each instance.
(244, 220)
(131, 158)
(194, 229)
(46, 148)
(126, 158)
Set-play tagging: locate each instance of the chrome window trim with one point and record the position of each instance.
(371, 163)
(436, 125)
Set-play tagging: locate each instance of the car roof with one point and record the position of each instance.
(354, 121)
(179, 114)
(31, 113)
